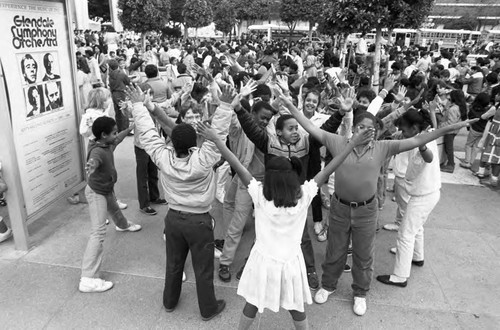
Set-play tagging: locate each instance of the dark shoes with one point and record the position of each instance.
(159, 201)
(312, 278)
(224, 273)
(148, 210)
(448, 168)
(221, 304)
(386, 279)
(419, 263)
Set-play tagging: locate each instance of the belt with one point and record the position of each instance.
(186, 213)
(354, 204)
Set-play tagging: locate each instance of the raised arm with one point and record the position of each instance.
(357, 139)
(209, 133)
(420, 140)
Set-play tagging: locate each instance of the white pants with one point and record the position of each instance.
(402, 198)
(410, 242)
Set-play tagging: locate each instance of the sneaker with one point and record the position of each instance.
(480, 175)
(312, 278)
(224, 273)
(121, 205)
(465, 165)
(131, 227)
(391, 227)
(219, 244)
(184, 277)
(323, 236)
(149, 210)
(349, 251)
(221, 304)
(88, 284)
(217, 253)
(159, 201)
(448, 169)
(318, 227)
(73, 200)
(5, 236)
(489, 182)
(347, 268)
(240, 272)
(393, 198)
(359, 306)
(322, 296)
(392, 250)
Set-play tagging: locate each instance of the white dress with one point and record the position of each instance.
(275, 274)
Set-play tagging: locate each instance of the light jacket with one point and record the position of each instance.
(189, 183)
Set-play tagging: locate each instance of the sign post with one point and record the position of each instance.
(38, 110)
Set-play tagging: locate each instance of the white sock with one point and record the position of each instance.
(480, 170)
(494, 178)
(397, 279)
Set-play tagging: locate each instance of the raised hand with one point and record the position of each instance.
(363, 137)
(282, 82)
(389, 83)
(206, 131)
(249, 87)
(401, 94)
(227, 95)
(135, 94)
(347, 99)
(187, 88)
(284, 100)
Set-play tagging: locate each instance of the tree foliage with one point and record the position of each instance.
(248, 10)
(99, 8)
(144, 15)
(197, 13)
(225, 16)
(176, 9)
(291, 12)
(463, 23)
(312, 10)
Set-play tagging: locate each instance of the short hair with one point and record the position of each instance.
(367, 115)
(46, 59)
(151, 71)
(396, 66)
(420, 118)
(280, 123)
(262, 89)
(24, 59)
(102, 125)
(97, 97)
(113, 64)
(259, 106)
(366, 93)
(181, 68)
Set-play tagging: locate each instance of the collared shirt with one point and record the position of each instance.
(356, 178)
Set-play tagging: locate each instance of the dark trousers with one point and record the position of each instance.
(122, 121)
(345, 222)
(190, 232)
(448, 148)
(147, 178)
(307, 250)
(316, 206)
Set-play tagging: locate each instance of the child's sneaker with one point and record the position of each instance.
(359, 306)
(322, 296)
(121, 205)
(131, 227)
(318, 227)
(5, 236)
(88, 284)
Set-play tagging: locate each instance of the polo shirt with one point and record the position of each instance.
(356, 178)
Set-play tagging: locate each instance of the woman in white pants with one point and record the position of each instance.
(423, 184)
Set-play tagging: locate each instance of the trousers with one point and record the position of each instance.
(147, 178)
(402, 198)
(187, 232)
(410, 241)
(359, 223)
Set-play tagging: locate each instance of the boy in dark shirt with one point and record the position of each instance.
(102, 177)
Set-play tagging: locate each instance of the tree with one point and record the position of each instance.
(176, 9)
(291, 12)
(466, 22)
(196, 13)
(225, 17)
(99, 8)
(313, 11)
(351, 16)
(144, 15)
(250, 10)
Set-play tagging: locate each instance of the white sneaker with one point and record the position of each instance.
(318, 228)
(359, 306)
(184, 278)
(131, 227)
(88, 284)
(392, 250)
(323, 236)
(217, 253)
(391, 227)
(5, 236)
(322, 296)
(121, 205)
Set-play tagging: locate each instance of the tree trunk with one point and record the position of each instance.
(376, 61)
(143, 40)
(343, 51)
(185, 32)
(387, 68)
(310, 32)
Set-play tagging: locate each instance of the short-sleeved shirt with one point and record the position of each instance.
(356, 178)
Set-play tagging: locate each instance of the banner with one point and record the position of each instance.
(37, 62)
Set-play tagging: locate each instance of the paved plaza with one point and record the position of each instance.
(458, 288)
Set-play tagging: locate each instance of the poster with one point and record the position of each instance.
(37, 62)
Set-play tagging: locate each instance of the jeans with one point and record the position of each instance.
(448, 149)
(402, 198)
(122, 121)
(345, 222)
(238, 208)
(190, 232)
(471, 145)
(147, 178)
(100, 207)
(410, 241)
(307, 250)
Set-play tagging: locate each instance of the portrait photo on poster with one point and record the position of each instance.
(53, 96)
(51, 66)
(28, 64)
(34, 100)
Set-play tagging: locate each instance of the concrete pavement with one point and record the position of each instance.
(456, 289)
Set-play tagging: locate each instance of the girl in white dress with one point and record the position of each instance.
(275, 275)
